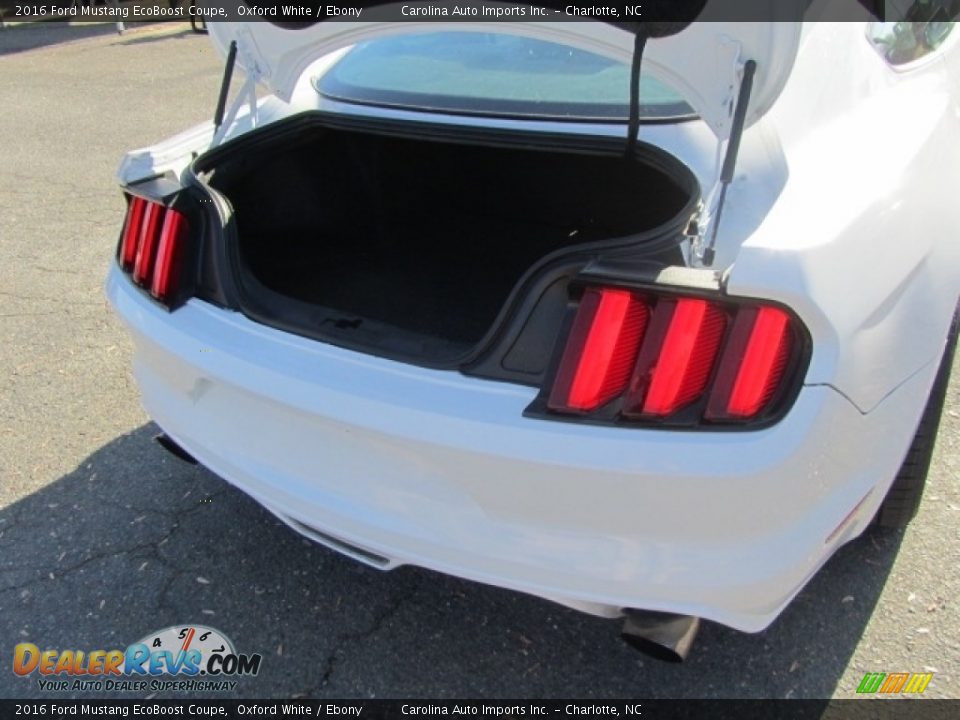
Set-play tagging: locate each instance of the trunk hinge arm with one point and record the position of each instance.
(705, 230)
(633, 122)
(225, 86)
(254, 69)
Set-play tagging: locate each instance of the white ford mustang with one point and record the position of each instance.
(647, 321)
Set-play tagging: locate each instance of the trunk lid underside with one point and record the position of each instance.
(702, 62)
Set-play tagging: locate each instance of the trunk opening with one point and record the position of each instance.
(415, 248)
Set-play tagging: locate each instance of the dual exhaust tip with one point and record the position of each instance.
(663, 636)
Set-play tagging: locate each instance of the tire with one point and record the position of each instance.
(903, 500)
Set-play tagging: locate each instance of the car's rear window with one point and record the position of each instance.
(494, 74)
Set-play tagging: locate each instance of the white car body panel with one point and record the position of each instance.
(875, 277)
(440, 470)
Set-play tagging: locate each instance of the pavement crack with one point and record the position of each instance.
(335, 656)
(96, 557)
(152, 546)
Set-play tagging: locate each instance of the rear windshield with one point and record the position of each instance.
(492, 74)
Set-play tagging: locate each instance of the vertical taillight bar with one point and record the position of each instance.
(147, 243)
(131, 232)
(753, 364)
(167, 264)
(599, 358)
(677, 358)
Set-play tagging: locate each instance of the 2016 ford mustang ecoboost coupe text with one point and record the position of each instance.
(647, 320)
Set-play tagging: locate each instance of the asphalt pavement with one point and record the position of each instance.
(105, 538)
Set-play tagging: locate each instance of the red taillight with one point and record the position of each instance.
(152, 246)
(168, 254)
(678, 357)
(147, 243)
(599, 358)
(679, 360)
(131, 232)
(753, 365)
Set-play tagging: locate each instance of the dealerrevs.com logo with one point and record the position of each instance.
(184, 658)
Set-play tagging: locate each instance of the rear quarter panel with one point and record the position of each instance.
(863, 239)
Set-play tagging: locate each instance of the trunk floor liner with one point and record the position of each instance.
(441, 283)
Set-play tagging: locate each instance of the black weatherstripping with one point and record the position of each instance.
(443, 246)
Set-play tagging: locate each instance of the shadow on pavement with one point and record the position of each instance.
(134, 540)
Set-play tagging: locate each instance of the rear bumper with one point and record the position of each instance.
(396, 464)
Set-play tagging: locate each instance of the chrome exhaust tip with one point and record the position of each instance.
(663, 636)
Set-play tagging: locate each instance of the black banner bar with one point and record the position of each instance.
(300, 13)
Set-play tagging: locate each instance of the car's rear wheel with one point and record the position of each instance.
(903, 500)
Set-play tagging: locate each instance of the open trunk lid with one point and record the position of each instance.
(703, 61)
(712, 66)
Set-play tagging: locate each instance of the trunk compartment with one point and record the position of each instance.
(422, 247)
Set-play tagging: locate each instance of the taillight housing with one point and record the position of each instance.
(154, 248)
(659, 357)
